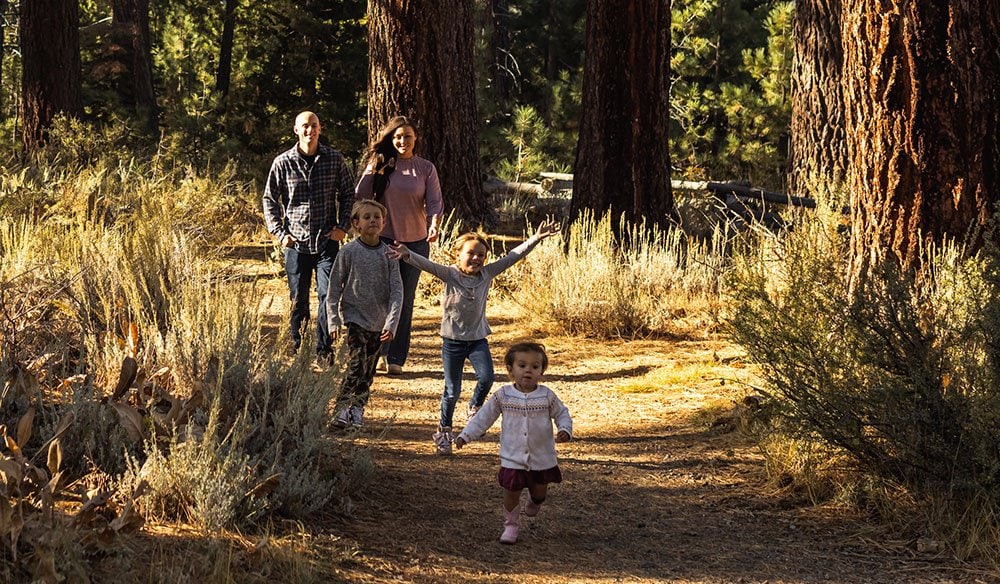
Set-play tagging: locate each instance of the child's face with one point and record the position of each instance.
(471, 257)
(526, 370)
(369, 222)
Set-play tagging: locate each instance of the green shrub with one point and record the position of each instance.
(899, 374)
(205, 480)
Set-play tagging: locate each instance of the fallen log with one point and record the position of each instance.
(493, 185)
(743, 190)
(557, 176)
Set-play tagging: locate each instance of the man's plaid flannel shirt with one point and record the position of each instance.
(308, 203)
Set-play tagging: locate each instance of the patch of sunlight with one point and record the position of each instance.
(673, 378)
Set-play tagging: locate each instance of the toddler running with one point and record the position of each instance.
(527, 447)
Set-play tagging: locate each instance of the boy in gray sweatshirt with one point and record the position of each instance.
(366, 293)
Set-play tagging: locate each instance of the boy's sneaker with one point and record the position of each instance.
(357, 416)
(443, 440)
(343, 418)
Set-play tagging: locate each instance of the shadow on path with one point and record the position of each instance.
(663, 503)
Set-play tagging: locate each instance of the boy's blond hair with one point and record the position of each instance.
(359, 205)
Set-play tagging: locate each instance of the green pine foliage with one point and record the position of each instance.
(530, 141)
(730, 63)
(547, 46)
(288, 56)
(730, 97)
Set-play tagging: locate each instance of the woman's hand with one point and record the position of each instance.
(434, 230)
(562, 436)
(397, 251)
(459, 443)
(548, 228)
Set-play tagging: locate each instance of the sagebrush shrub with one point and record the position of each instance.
(123, 270)
(899, 373)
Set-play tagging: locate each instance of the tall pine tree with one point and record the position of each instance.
(622, 160)
(51, 77)
(421, 66)
(921, 83)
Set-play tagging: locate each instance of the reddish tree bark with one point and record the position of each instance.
(622, 160)
(421, 66)
(818, 155)
(923, 106)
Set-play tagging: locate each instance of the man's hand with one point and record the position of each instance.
(562, 436)
(288, 241)
(386, 336)
(459, 443)
(337, 234)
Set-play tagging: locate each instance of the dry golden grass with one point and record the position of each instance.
(655, 491)
(652, 492)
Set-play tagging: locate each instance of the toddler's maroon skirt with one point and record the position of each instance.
(515, 479)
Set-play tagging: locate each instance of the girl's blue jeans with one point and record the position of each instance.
(453, 354)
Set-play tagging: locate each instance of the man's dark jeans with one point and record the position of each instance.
(300, 267)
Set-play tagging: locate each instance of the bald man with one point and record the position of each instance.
(307, 207)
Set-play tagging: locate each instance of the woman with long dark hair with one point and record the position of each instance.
(408, 186)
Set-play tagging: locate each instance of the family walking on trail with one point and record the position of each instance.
(368, 288)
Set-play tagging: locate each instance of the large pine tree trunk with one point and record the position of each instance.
(622, 159)
(4, 5)
(130, 32)
(923, 108)
(421, 66)
(818, 150)
(51, 76)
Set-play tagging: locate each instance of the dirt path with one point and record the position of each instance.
(650, 493)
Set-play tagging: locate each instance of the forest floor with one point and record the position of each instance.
(652, 490)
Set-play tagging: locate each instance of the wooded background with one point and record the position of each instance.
(889, 105)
